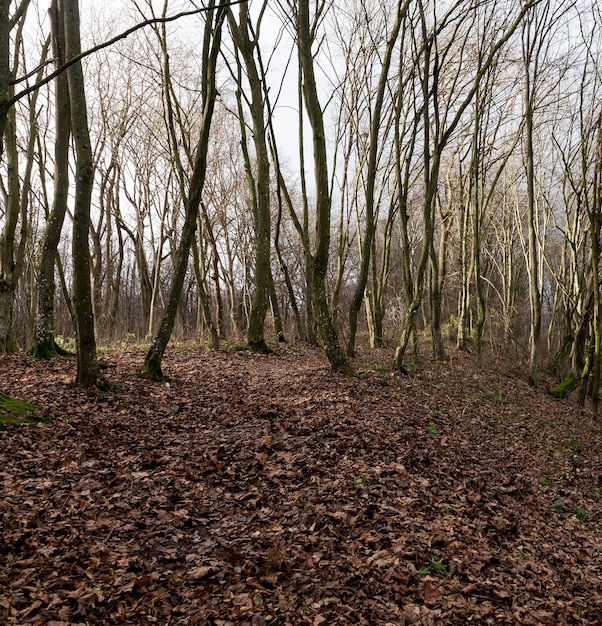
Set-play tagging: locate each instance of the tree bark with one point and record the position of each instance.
(44, 345)
(88, 370)
(319, 261)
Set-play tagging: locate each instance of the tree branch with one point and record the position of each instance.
(106, 44)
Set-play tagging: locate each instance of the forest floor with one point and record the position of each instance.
(266, 490)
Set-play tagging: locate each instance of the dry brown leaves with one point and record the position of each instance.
(266, 490)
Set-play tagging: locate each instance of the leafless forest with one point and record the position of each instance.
(409, 191)
(319, 170)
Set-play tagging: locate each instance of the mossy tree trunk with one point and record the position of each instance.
(319, 260)
(88, 370)
(258, 177)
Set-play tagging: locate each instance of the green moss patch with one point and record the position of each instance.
(565, 388)
(15, 413)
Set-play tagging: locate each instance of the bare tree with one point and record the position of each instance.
(371, 172)
(442, 110)
(44, 345)
(536, 42)
(245, 37)
(305, 33)
(151, 367)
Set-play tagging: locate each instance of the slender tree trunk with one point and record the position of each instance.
(410, 309)
(4, 69)
(219, 305)
(204, 297)
(380, 278)
(478, 276)
(465, 272)
(44, 345)
(151, 368)
(284, 269)
(534, 287)
(595, 228)
(319, 262)
(370, 229)
(415, 288)
(277, 316)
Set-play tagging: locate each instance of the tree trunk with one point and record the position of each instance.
(259, 180)
(44, 345)
(204, 297)
(319, 262)
(88, 371)
(151, 368)
(7, 237)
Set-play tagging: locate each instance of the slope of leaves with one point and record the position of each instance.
(267, 490)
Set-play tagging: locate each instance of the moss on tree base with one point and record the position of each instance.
(8, 346)
(261, 347)
(48, 350)
(14, 412)
(150, 370)
(565, 388)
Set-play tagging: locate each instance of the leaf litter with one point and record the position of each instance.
(264, 490)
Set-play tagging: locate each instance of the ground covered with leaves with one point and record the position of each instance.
(264, 490)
